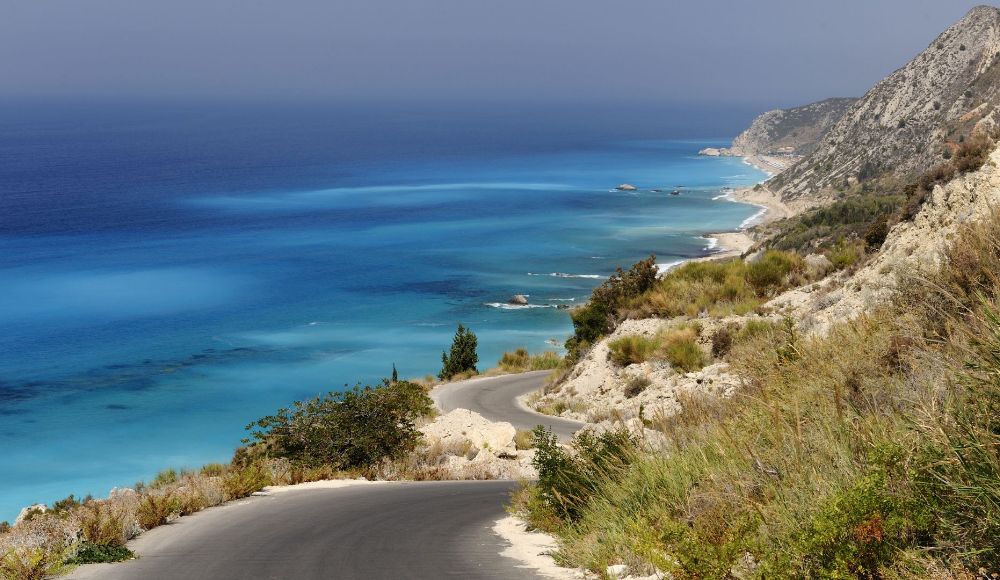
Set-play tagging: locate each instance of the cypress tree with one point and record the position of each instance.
(462, 357)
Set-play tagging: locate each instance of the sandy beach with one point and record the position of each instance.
(736, 243)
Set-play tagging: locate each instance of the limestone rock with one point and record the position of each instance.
(626, 187)
(463, 426)
(518, 300)
(26, 513)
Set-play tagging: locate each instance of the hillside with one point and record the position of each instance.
(912, 119)
(795, 131)
(824, 407)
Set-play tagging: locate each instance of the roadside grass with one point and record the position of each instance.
(521, 360)
(871, 452)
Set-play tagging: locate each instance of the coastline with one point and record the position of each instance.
(735, 243)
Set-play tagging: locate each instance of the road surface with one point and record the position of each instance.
(369, 531)
(496, 398)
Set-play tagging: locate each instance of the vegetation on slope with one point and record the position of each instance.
(860, 219)
(872, 452)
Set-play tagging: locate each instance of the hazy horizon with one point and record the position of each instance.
(765, 54)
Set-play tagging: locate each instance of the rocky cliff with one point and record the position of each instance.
(915, 117)
(795, 131)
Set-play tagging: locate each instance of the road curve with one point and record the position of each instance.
(496, 398)
(367, 531)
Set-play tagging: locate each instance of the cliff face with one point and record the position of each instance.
(907, 122)
(795, 131)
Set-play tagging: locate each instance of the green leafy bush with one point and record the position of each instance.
(97, 553)
(601, 314)
(346, 430)
(566, 480)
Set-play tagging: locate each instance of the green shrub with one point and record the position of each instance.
(601, 313)
(348, 430)
(35, 563)
(566, 480)
(845, 254)
(462, 357)
(166, 477)
(767, 275)
(97, 553)
(719, 288)
(631, 349)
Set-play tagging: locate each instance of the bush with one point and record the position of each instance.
(767, 275)
(462, 358)
(681, 350)
(719, 288)
(722, 340)
(600, 315)
(635, 386)
(97, 553)
(155, 508)
(348, 430)
(877, 232)
(631, 349)
(245, 480)
(566, 481)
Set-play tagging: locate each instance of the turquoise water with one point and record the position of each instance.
(167, 277)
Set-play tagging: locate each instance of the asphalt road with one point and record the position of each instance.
(496, 399)
(369, 531)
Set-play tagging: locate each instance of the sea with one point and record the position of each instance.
(172, 271)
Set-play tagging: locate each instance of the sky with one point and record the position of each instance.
(779, 52)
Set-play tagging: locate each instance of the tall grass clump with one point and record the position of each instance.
(678, 346)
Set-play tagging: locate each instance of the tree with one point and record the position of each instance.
(463, 357)
(395, 374)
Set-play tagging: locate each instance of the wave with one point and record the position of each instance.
(564, 275)
(505, 306)
(664, 268)
(754, 218)
(713, 243)
(562, 299)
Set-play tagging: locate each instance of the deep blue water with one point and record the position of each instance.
(170, 273)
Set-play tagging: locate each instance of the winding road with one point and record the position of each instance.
(497, 399)
(348, 530)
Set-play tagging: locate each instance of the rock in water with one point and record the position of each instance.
(626, 187)
(518, 300)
